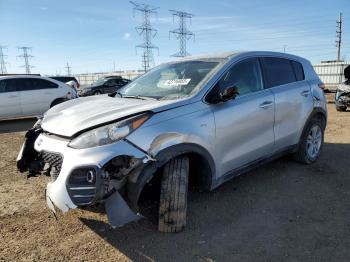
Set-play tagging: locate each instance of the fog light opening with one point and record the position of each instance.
(90, 176)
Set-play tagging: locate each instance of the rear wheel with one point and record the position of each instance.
(173, 195)
(311, 142)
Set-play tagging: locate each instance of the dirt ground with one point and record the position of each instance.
(282, 211)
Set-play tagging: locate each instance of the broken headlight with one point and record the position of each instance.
(108, 134)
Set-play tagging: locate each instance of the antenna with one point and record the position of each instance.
(148, 32)
(182, 33)
(26, 57)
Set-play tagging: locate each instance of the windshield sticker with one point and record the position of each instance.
(177, 82)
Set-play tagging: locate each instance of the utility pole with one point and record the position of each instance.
(68, 69)
(2, 60)
(182, 33)
(148, 32)
(26, 57)
(339, 35)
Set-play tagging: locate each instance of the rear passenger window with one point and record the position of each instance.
(279, 71)
(8, 85)
(298, 70)
(37, 84)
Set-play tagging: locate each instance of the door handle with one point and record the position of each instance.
(266, 104)
(12, 96)
(305, 93)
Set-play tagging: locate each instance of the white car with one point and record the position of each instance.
(29, 96)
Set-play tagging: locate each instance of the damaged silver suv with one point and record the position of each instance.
(197, 121)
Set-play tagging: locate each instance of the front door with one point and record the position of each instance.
(244, 126)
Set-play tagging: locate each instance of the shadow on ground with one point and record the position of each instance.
(283, 211)
(18, 125)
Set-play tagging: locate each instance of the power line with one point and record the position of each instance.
(68, 69)
(182, 33)
(339, 36)
(2, 60)
(148, 32)
(26, 57)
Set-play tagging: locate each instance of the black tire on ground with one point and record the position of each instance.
(56, 102)
(341, 108)
(173, 195)
(301, 155)
(97, 93)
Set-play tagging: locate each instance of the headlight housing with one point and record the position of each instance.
(108, 134)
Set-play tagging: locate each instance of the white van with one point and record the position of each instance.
(29, 96)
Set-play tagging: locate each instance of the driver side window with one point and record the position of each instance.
(245, 76)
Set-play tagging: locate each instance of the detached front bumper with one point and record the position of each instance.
(79, 176)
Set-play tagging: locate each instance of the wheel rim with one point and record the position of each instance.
(97, 93)
(314, 141)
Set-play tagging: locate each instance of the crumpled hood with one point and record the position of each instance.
(73, 116)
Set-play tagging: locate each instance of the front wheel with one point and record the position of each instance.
(311, 142)
(97, 93)
(173, 195)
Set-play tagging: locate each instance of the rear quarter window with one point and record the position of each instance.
(298, 70)
(278, 71)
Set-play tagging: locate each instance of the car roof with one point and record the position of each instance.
(20, 76)
(232, 54)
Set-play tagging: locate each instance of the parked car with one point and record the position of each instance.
(199, 121)
(69, 80)
(28, 96)
(342, 97)
(103, 86)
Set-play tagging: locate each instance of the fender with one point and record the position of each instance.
(134, 189)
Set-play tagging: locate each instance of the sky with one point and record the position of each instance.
(100, 36)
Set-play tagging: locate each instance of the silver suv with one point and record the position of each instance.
(199, 121)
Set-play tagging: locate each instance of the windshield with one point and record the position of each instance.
(99, 81)
(170, 81)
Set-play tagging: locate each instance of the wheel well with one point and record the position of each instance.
(321, 117)
(200, 178)
(56, 101)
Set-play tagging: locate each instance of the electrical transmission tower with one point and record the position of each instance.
(69, 69)
(26, 57)
(148, 32)
(182, 33)
(339, 35)
(2, 60)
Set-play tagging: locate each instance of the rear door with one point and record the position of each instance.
(244, 126)
(9, 99)
(293, 99)
(37, 95)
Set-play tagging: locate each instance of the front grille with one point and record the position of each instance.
(55, 162)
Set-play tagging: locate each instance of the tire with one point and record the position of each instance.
(56, 102)
(96, 93)
(173, 195)
(341, 108)
(303, 154)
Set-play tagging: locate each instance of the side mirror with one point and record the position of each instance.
(228, 93)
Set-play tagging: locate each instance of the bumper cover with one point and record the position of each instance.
(73, 159)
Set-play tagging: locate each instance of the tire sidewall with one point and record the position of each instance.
(310, 125)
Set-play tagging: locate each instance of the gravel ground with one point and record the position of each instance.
(282, 211)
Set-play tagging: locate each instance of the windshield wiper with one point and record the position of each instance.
(138, 97)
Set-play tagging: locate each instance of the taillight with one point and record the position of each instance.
(78, 85)
(322, 86)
